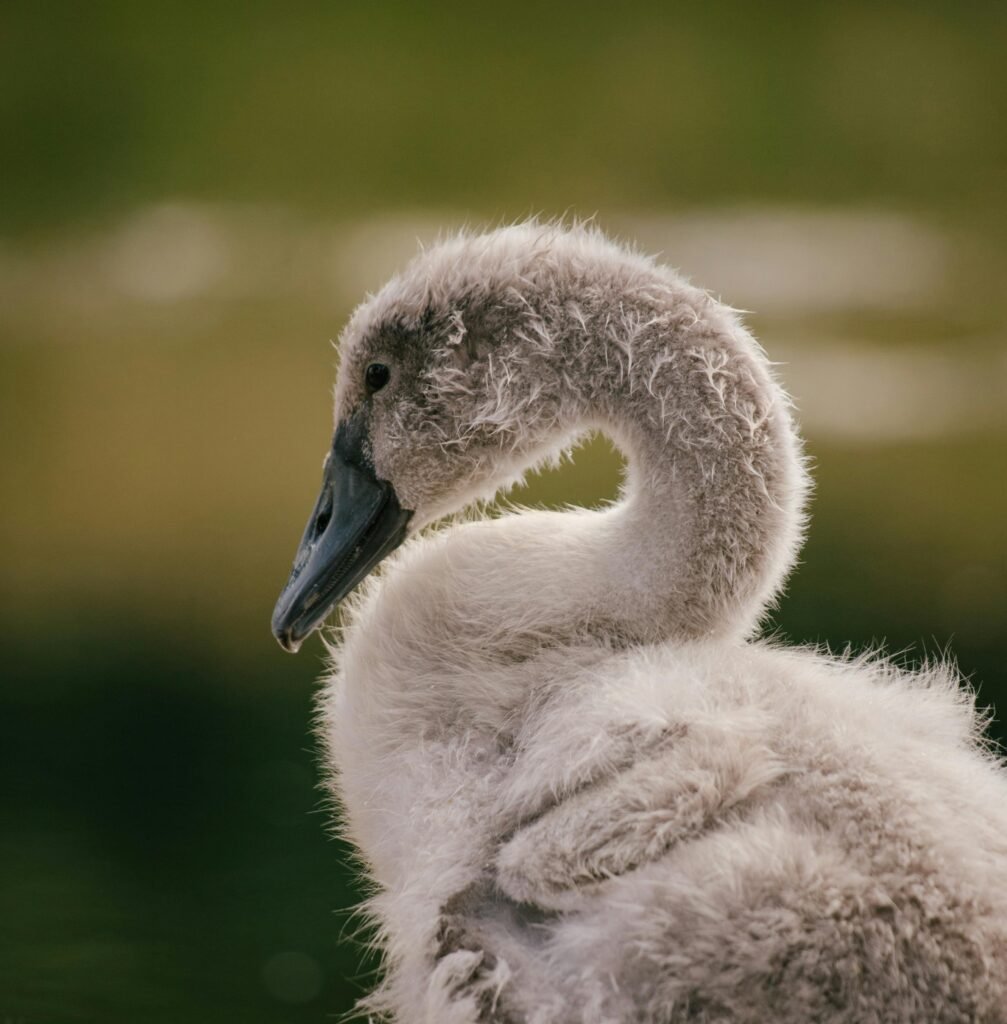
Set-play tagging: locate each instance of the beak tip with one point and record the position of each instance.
(286, 634)
(288, 643)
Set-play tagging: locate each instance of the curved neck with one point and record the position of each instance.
(711, 515)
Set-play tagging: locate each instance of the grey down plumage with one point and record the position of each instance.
(584, 788)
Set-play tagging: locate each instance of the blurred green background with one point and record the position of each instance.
(192, 198)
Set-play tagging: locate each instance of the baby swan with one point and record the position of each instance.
(584, 792)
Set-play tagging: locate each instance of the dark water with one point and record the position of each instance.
(164, 853)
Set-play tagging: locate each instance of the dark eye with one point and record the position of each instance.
(376, 376)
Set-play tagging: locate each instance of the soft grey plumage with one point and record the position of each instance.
(583, 790)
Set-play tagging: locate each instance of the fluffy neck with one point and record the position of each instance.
(711, 514)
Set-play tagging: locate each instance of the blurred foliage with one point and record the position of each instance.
(511, 108)
(166, 852)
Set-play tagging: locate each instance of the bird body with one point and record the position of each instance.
(584, 789)
(670, 832)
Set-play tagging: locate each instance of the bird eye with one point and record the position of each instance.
(376, 376)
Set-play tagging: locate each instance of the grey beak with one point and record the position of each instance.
(355, 523)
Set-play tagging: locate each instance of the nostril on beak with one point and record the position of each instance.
(324, 515)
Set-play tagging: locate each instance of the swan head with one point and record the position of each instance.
(443, 395)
